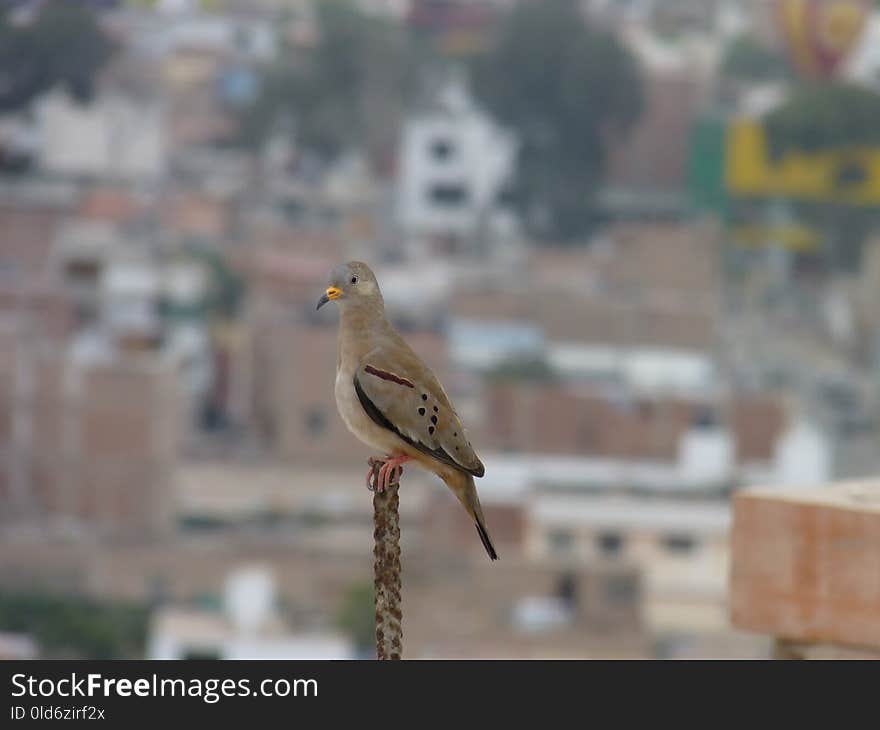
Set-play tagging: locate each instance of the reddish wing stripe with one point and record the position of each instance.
(385, 375)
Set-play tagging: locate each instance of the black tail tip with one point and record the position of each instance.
(487, 543)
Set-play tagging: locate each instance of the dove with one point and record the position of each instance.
(391, 401)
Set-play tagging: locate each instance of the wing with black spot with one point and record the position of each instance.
(408, 400)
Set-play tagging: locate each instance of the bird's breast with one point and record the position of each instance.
(355, 417)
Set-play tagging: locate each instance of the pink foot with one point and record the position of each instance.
(390, 472)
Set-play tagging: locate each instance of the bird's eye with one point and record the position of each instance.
(354, 280)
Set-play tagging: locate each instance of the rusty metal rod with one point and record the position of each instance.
(386, 573)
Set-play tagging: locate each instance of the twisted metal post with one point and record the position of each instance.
(386, 573)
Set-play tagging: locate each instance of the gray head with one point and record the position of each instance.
(353, 285)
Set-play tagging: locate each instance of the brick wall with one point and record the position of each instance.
(805, 564)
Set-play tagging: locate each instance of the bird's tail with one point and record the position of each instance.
(484, 537)
(464, 488)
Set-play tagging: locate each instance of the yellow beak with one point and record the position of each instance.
(329, 295)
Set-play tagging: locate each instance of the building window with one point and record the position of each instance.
(567, 589)
(610, 544)
(82, 270)
(705, 417)
(620, 589)
(561, 542)
(449, 195)
(679, 543)
(442, 150)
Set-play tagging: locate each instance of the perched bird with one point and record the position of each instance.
(392, 401)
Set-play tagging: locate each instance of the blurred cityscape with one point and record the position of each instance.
(641, 249)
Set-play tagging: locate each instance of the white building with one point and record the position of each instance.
(114, 135)
(679, 546)
(454, 164)
(642, 369)
(249, 37)
(181, 25)
(803, 456)
(247, 628)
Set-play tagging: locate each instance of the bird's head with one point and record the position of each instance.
(353, 285)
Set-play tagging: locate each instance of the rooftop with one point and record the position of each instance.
(856, 495)
(701, 517)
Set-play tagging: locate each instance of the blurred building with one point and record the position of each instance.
(651, 285)
(167, 417)
(90, 441)
(114, 135)
(525, 611)
(678, 546)
(455, 163)
(247, 627)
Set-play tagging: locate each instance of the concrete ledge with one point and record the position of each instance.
(805, 564)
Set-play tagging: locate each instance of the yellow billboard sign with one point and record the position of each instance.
(795, 236)
(849, 176)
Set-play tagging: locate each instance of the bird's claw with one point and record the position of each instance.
(383, 474)
(373, 473)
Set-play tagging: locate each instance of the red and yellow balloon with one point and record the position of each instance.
(820, 33)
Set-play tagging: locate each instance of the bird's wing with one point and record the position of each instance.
(399, 392)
